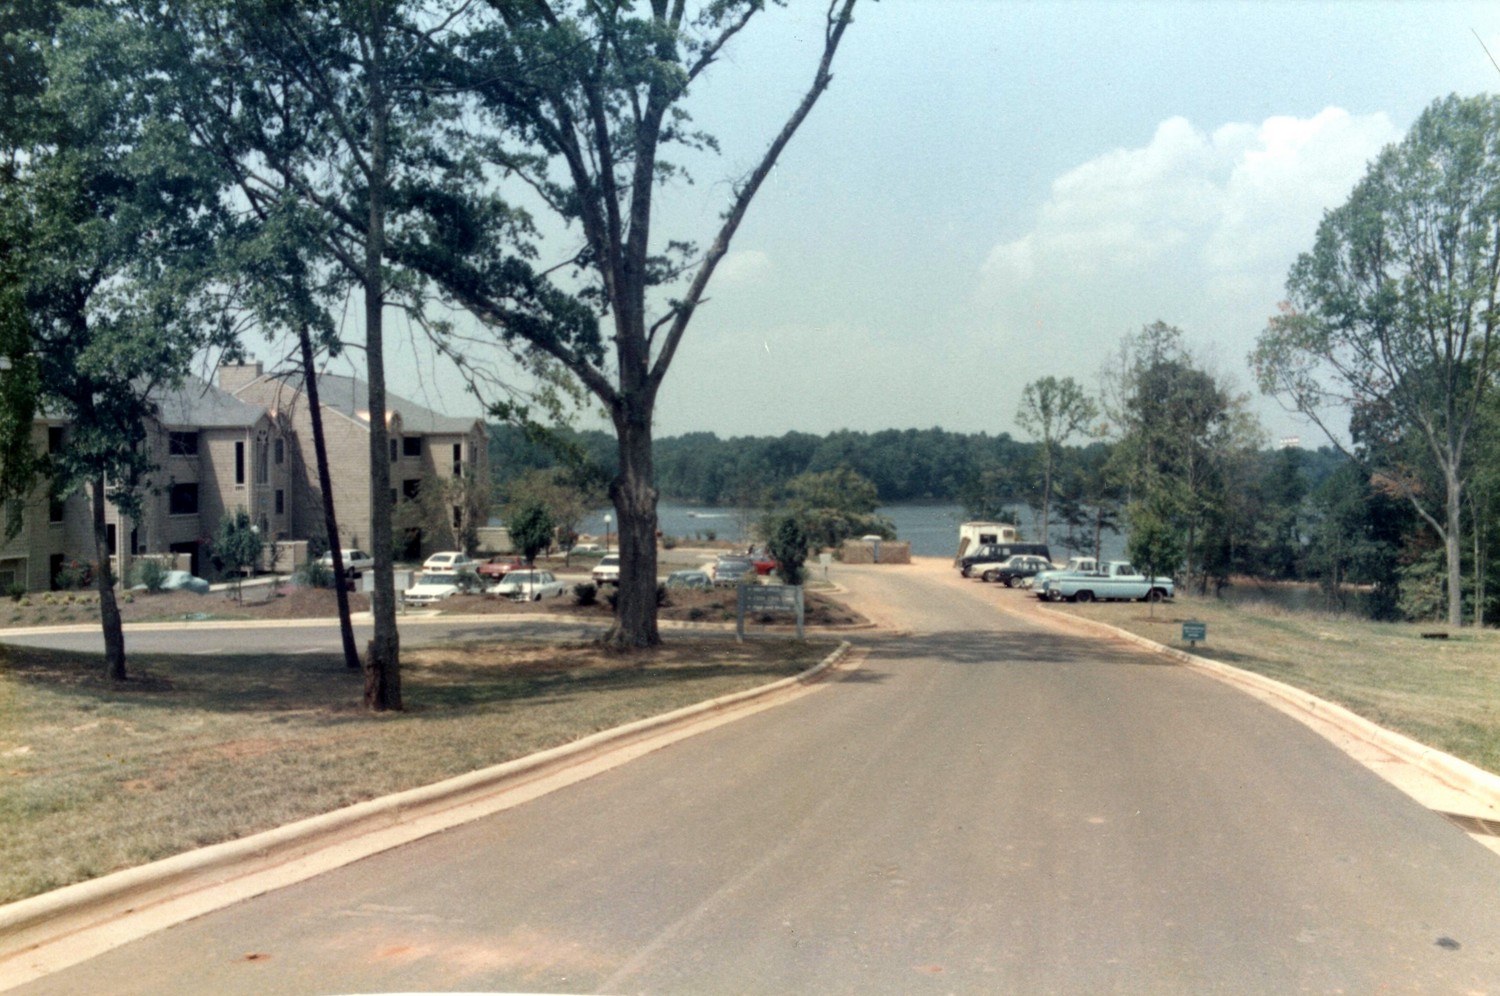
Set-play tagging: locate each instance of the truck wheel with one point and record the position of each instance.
(1155, 595)
(1084, 596)
(1010, 582)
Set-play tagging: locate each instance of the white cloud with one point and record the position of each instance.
(1207, 205)
(1196, 228)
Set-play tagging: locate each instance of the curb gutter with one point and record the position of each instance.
(1483, 786)
(44, 933)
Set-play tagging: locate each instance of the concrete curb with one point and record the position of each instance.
(84, 919)
(1454, 772)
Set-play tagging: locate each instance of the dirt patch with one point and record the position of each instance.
(287, 602)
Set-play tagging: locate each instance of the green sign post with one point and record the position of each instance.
(1193, 631)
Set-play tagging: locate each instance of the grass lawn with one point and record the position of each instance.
(196, 750)
(1442, 692)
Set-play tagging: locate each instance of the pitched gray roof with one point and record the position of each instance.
(198, 403)
(351, 396)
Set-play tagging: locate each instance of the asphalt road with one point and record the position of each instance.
(984, 806)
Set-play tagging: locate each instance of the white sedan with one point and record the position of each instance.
(449, 560)
(354, 561)
(438, 585)
(529, 586)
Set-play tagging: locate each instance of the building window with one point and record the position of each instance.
(55, 511)
(411, 487)
(280, 502)
(262, 468)
(280, 452)
(183, 499)
(239, 463)
(54, 438)
(411, 446)
(458, 517)
(393, 450)
(458, 459)
(183, 444)
(112, 539)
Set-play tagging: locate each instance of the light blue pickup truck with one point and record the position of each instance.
(1114, 580)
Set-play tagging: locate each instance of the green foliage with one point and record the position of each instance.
(1423, 587)
(832, 506)
(788, 543)
(567, 494)
(151, 573)
(15, 591)
(1390, 321)
(1183, 439)
(1154, 547)
(313, 573)
(1053, 411)
(237, 545)
(531, 530)
(585, 593)
(74, 574)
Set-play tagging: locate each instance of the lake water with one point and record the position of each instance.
(932, 529)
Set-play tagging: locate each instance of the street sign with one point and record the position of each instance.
(1193, 631)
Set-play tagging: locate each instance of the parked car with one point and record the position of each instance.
(1115, 580)
(497, 567)
(180, 581)
(438, 585)
(733, 570)
(998, 553)
(763, 561)
(1009, 571)
(607, 571)
(354, 561)
(590, 547)
(449, 560)
(529, 586)
(689, 579)
(1075, 565)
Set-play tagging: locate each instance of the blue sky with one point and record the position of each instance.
(993, 192)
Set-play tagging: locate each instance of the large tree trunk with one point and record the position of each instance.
(383, 659)
(1452, 543)
(104, 580)
(325, 482)
(633, 493)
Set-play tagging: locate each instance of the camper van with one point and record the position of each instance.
(973, 535)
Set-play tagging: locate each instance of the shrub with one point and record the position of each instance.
(314, 574)
(586, 593)
(74, 574)
(151, 573)
(669, 542)
(16, 591)
(661, 595)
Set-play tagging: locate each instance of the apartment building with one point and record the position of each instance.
(244, 444)
(213, 455)
(423, 445)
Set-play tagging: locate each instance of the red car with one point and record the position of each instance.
(498, 567)
(764, 562)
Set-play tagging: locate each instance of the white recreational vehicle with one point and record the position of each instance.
(972, 535)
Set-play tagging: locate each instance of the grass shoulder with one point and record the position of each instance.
(1442, 692)
(96, 777)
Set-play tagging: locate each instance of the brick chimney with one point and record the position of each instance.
(233, 376)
